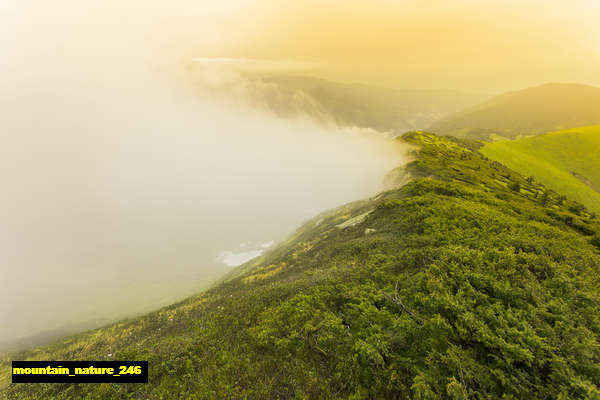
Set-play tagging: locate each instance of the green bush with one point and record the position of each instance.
(465, 290)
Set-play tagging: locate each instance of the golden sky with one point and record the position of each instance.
(477, 45)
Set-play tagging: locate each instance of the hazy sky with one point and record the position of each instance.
(490, 45)
(478, 45)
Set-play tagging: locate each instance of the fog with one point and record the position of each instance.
(133, 176)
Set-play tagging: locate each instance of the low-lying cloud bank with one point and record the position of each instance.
(124, 181)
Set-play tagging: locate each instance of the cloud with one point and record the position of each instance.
(235, 259)
(258, 65)
(123, 181)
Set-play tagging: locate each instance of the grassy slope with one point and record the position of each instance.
(530, 111)
(461, 288)
(552, 158)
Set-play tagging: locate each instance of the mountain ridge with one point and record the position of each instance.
(469, 281)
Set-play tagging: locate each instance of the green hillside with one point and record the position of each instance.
(567, 161)
(469, 282)
(526, 112)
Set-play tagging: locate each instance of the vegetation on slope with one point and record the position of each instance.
(469, 282)
(566, 161)
(526, 112)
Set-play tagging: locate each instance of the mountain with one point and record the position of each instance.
(531, 111)
(567, 161)
(365, 106)
(469, 281)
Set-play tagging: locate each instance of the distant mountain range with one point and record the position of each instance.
(530, 111)
(384, 109)
(527, 112)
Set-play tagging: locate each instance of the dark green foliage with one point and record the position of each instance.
(545, 197)
(514, 186)
(464, 290)
(596, 240)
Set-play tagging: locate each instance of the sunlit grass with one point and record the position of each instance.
(553, 158)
